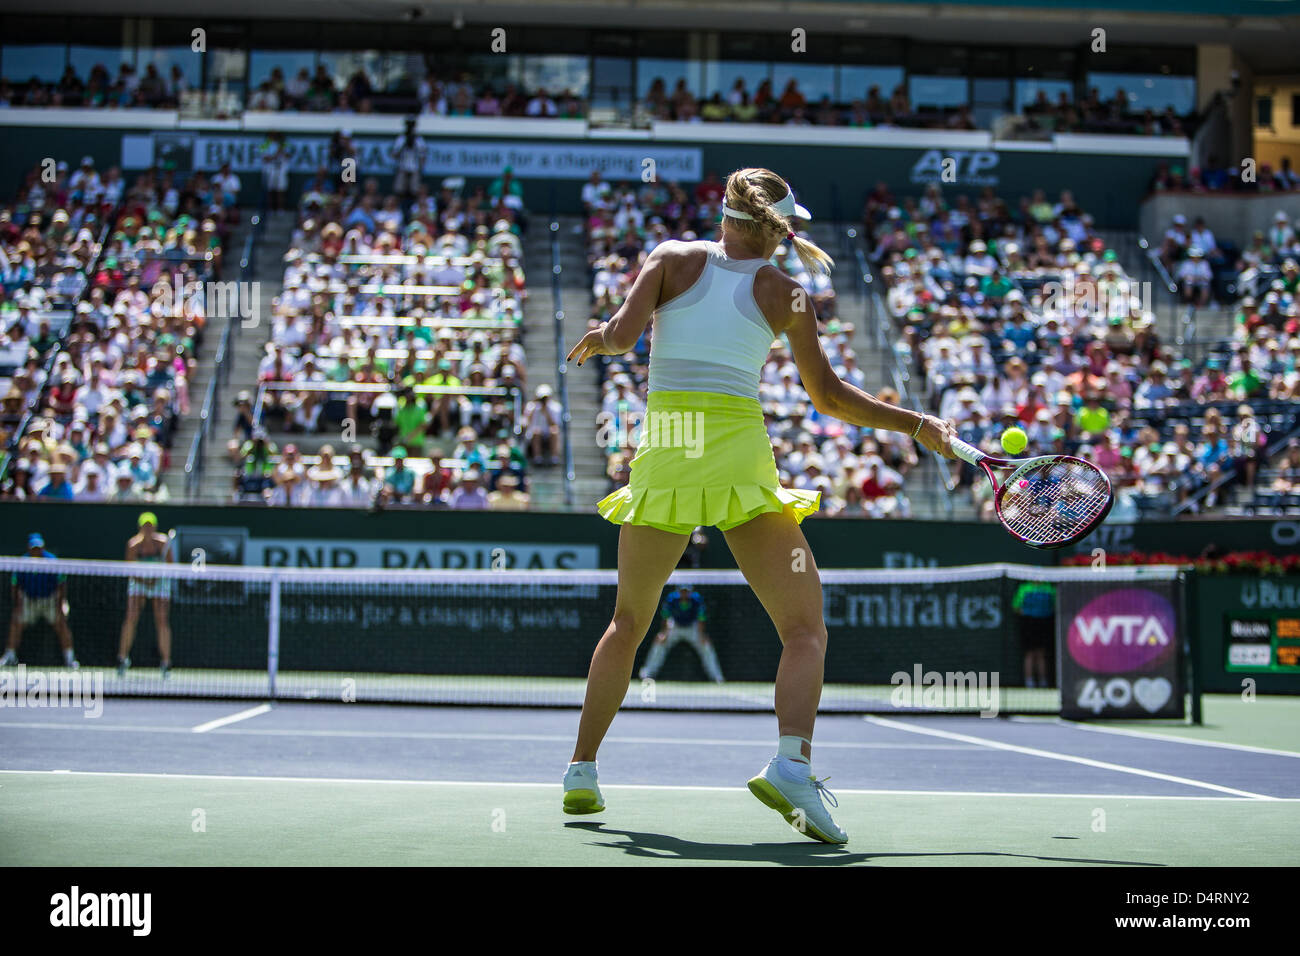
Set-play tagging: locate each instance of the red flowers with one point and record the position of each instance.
(1229, 562)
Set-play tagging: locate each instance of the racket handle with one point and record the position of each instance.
(966, 452)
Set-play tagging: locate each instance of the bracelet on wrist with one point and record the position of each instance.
(919, 425)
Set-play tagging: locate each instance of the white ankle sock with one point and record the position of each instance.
(791, 748)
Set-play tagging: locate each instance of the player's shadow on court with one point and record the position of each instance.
(661, 846)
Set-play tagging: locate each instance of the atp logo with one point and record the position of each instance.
(1125, 630)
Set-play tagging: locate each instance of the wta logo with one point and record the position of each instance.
(1126, 630)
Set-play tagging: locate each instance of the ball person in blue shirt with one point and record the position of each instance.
(38, 596)
(683, 614)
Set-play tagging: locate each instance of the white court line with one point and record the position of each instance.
(1068, 758)
(554, 785)
(437, 735)
(233, 718)
(1174, 738)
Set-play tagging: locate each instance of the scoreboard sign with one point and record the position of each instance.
(1263, 644)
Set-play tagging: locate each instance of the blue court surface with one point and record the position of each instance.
(216, 782)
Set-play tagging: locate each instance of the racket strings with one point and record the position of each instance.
(1054, 500)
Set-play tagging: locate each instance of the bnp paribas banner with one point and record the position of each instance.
(308, 153)
(235, 545)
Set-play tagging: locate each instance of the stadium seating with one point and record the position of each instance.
(1028, 319)
(102, 317)
(400, 320)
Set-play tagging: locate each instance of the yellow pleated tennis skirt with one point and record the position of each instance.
(704, 459)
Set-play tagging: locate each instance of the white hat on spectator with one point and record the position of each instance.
(543, 391)
(1279, 216)
(1180, 220)
(968, 395)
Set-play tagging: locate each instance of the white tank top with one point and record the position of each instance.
(712, 337)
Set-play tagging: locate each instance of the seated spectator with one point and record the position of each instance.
(399, 482)
(1194, 278)
(469, 493)
(256, 465)
(57, 487)
(289, 486)
(541, 422)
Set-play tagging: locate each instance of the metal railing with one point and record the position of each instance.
(221, 368)
(1183, 325)
(562, 367)
(384, 388)
(893, 369)
(1230, 474)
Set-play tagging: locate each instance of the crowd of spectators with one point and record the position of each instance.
(790, 106)
(455, 92)
(858, 471)
(1215, 178)
(1021, 316)
(101, 328)
(1209, 269)
(1098, 114)
(385, 298)
(437, 93)
(130, 88)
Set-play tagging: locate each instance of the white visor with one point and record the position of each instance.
(786, 206)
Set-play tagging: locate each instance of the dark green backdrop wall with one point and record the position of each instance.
(101, 530)
(1111, 187)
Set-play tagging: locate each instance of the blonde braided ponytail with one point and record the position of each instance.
(753, 191)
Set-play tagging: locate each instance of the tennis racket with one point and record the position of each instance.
(1046, 502)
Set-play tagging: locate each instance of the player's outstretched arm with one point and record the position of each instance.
(789, 308)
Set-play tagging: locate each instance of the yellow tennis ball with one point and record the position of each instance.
(1014, 441)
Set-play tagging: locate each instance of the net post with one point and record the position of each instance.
(1191, 644)
(272, 635)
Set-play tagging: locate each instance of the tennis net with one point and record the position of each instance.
(927, 640)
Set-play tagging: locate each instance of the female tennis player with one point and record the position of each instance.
(705, 459)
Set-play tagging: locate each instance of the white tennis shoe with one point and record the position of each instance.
(799, 799)
(581, 790)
